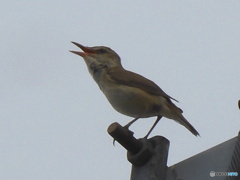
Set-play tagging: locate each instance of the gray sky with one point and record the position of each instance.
(53, 117)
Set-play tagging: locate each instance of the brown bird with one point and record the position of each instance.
(129, 93)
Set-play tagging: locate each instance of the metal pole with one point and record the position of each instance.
(156, 166)
(148, 156)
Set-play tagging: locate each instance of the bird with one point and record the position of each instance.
(129, 93)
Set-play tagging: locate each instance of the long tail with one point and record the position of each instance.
(178, 117)
(185, 123)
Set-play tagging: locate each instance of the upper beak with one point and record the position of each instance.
(86, 50)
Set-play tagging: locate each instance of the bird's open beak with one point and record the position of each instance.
(86, 50)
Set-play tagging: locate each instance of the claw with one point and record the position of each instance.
(114, 140)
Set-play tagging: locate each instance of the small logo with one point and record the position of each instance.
(212, 173)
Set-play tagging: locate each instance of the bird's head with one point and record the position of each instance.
(98, 57)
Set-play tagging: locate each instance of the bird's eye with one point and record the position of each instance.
(102, 51)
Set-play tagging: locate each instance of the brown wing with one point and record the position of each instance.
(135, 80)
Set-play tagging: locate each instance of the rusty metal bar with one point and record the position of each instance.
(125, 137)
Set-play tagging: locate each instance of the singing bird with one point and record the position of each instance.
(129, 93)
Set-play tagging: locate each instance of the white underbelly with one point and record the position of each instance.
(131, 101)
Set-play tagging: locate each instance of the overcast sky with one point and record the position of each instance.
(54, 118)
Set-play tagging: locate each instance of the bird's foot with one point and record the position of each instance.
(145, 137)
(128, 132)
(114, 141)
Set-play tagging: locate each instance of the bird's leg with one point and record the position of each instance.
(130, 123)
(157, 120)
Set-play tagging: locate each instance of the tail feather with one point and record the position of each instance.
(178, 117)
(185, 123)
